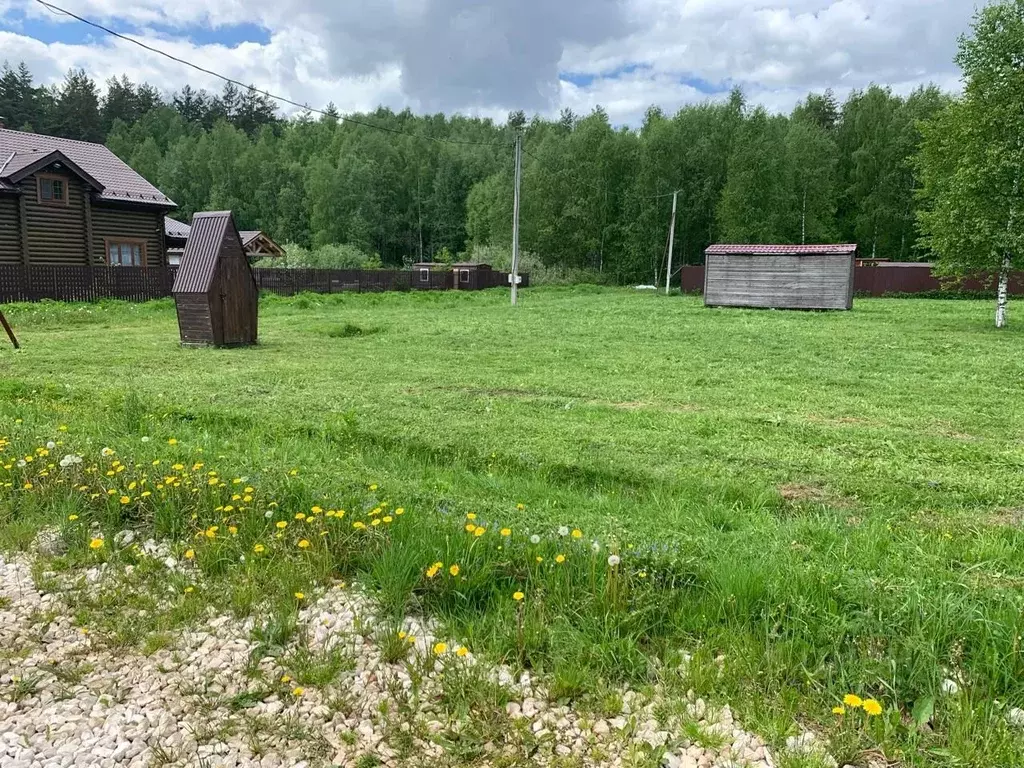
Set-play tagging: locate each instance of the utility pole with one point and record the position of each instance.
(671, 242)
(514, 277)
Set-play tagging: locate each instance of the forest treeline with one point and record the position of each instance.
(595, 197)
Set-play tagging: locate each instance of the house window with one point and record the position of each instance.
(424, 275)
(463, 275)
(53, 190)
(131, 253)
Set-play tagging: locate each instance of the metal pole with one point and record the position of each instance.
(671, 242)
(515, 217)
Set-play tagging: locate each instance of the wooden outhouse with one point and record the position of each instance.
(780, 276)
(471, 276)
(214, 290)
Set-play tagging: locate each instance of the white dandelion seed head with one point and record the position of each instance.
(595, 545)
(268, 514)
(241, 558)
(614, 560)
(107, 452)
(535, 539)
(50, 445)
(22, 463)
(563, 531)
(950, 687)
(145, 438)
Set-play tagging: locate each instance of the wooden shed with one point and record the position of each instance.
(780, 276)
(471, 276)
(214, 291)
(431, 276)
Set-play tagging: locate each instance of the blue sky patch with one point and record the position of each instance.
(76, 33)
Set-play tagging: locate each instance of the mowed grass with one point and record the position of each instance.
(837, 497)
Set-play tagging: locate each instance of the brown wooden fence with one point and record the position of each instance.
(81, 283)
(889, 279)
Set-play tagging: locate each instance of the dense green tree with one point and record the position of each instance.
(972, 156)
(77, 109)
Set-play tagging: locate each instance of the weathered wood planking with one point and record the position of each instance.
(782, 281)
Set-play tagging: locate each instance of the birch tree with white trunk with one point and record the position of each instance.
(972, 157)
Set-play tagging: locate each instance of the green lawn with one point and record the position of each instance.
(837, 495)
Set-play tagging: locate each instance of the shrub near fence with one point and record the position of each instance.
(82, 283)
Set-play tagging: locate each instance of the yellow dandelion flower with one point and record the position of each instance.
(852, 700)
(190, 554)
(559, 559)
(577, 533)
(300, 516)
(297, 691)
(387, 518)
(303, 544)
(373, 487)
(440, 648)
(72, 518)
(540, 559)
(400, 511)
(375, 521)
(838, 710)
(454, 570)
(146, 494)
(470, 527)
(96, 544)
(401, 634)
(520, 507)
(177, 467)
(126, 499)
(233, 530)
(286, 678)
(282, 524)
(172, 441)
(517, 596)
(300, 595)
(340, 513)
(480, 531)
(236, 497)
(410, 639)
(316, 510)
(247, 498)
(259, 548)
(249, 489)
(359, 525)
(872, 707)
(471, 516)
(462, 651)
(189, 589)
(506, 531)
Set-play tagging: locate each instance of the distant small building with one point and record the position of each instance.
(214, 290)
(257, 244)
(780, 276)
(471, 276)
(430, 275)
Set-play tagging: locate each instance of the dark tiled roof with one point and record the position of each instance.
(783, 250)
(120, 183)
(175, 228)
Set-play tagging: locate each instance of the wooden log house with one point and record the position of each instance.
(74, 203)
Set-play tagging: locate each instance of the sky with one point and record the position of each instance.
(487, 57)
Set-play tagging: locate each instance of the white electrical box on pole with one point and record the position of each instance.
(671, 242)
(514, 277)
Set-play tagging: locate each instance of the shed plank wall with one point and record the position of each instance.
(239, 295)
(194, 318)
(56, 233)
(785, 282)
(10, 236)
(110, 223)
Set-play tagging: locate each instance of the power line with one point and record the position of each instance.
(56, 9)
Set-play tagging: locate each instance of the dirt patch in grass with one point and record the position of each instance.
(799, 494)
(1007, 517)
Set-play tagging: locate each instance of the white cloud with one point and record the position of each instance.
(493, 56)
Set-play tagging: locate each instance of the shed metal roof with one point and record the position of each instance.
(175, 228)
(782, 250)
(118, 181)
(202, 250)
